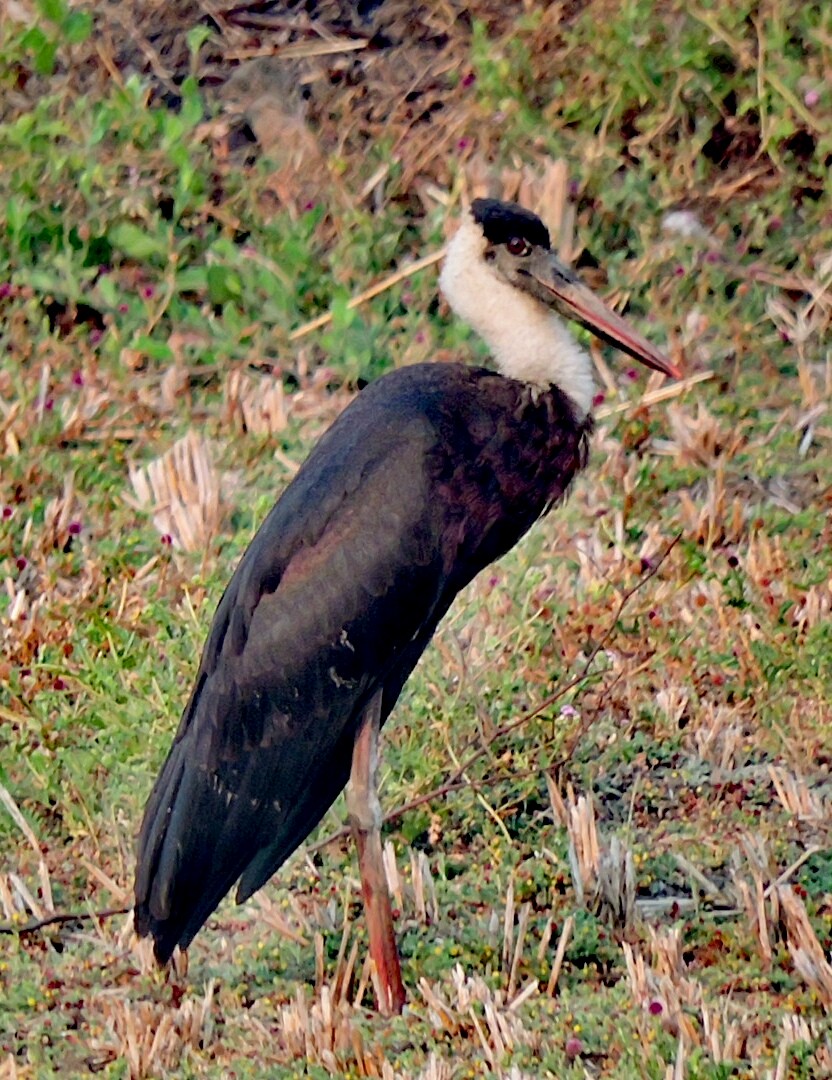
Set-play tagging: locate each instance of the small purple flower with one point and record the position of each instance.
(631, 374)
(74, 528)
(148, 292)
(463, 143)
(712, 257)
(568, 710)
(679, 271)
(78, 376)
(49, 404)
(95, 336)
(21, 562)
(8, 511)
(469, 79)
(655, 1008)
(493, 581)
(167, 539)
(598, 399)
(574, 1047)
(123, 309)
(5, 289)
(785, 335)
(419, 337)
(309, 206)
(811, 98)
(58, 683)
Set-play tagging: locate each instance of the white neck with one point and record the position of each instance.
(528, 341)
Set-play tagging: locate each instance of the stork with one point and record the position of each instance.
(430, 474)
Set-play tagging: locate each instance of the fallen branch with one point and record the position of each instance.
(33, 926)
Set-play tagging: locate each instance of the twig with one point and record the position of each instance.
(457, 778)
(34, 925)
(653, 397)
(481, 799)
(625, 599)
(795, 866)
(298, 50)
(368, 294)
(704, 882)
(26, 829)
(565, 935)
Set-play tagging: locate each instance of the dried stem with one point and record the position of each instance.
(32, 926)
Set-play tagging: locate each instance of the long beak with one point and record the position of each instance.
(562, 290)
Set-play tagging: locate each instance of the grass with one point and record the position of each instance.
(157, 278)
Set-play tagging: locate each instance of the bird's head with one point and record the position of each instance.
(502, 277)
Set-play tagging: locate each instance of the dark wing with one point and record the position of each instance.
(429, 475)
(341, 582)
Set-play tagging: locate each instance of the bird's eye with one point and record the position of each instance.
(519, 247)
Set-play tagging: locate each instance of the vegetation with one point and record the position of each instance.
(608, 780)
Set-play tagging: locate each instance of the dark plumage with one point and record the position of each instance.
(431, 473)
(502, 221)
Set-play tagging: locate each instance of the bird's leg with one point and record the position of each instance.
(364, 812)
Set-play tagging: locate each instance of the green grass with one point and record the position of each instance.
(133, 250)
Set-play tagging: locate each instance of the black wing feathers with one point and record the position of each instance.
(427, 477)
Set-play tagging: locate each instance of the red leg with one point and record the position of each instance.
(365, 819)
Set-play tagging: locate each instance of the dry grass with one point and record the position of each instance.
(182, 491)
(152, 1039)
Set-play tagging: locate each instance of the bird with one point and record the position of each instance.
(432, 472)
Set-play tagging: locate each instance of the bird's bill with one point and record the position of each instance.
(576, 301)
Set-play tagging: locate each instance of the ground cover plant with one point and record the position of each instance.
(608, 780)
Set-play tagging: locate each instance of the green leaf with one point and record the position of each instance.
(34, 39)
(173, 128)
(192, 279)
(156, 350)
(343, 316)
(224, 284)
(45, 58)
(186, 176)
(192, 110)
(17, 214)
(137, 243)
(414, 825)
(196, 38)
(108, 290)
(46, 283)
(77, 26)
(53, 10)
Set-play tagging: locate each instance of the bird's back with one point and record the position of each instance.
(430, 474)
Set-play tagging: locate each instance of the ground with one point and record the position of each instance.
(607, 783)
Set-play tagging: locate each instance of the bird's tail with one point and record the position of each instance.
(181, 876)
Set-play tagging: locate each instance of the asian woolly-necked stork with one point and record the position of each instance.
(430, 474)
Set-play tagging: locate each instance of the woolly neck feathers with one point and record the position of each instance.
(527, 340)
